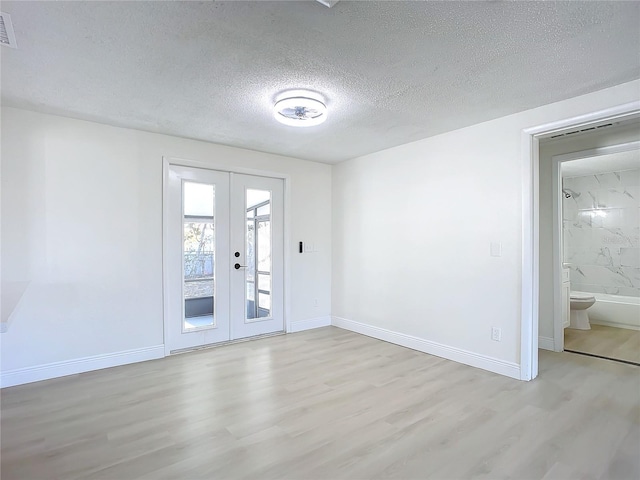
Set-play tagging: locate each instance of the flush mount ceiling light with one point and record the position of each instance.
(328, 3)
(300, 111)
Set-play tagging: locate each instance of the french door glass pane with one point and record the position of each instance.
(264, 282)
(264, 210)
(264, 302)
(258, 255)
(198, 242)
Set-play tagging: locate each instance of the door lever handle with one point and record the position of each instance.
(237, 266)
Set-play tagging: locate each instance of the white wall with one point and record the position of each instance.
(549, 149)
(412, 228)
(82, 221)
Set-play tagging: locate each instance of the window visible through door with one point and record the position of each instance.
(198, 242)
(258, 276)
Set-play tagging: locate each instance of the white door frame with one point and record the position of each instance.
(224, 167)
(530, 140)
(556, 165)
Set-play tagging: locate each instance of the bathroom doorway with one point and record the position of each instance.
(595, 243)
(537, 283)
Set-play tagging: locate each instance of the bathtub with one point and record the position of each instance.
(615, 311)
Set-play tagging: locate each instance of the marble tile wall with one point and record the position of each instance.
(601, 223)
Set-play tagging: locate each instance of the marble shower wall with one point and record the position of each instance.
(601, 222)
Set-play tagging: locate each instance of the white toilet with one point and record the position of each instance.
(579, 316)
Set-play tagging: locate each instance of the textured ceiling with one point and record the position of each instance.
(391, 72)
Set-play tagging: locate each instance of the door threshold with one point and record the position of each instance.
(228, 342)
(628, 362)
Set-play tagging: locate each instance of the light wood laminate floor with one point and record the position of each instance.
(618, 343)
(325, 404)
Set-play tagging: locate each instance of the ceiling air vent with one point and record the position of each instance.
(581, 130)
(7, 37)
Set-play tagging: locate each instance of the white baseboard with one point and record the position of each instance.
(309, 323)
(546, 343)
(607, 323)
(450, 353)
(79, 365)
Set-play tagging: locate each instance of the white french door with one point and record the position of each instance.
(257, 241)
(224, 254)
(197, 258)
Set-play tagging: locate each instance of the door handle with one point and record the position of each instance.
(237, 266)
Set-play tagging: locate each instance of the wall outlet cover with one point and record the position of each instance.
(496, 334)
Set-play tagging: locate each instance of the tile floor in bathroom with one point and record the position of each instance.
(610, 342)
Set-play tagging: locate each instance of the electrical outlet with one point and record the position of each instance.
(496, 334)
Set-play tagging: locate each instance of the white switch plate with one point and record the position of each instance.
(308, 247)
(496, 249)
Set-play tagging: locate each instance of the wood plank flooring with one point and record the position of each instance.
(325, 404)
(619, 343)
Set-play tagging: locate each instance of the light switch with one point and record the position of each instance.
(496, 249)
(308, 247)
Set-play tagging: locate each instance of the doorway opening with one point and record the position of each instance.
(596, 254)
(531, 234)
